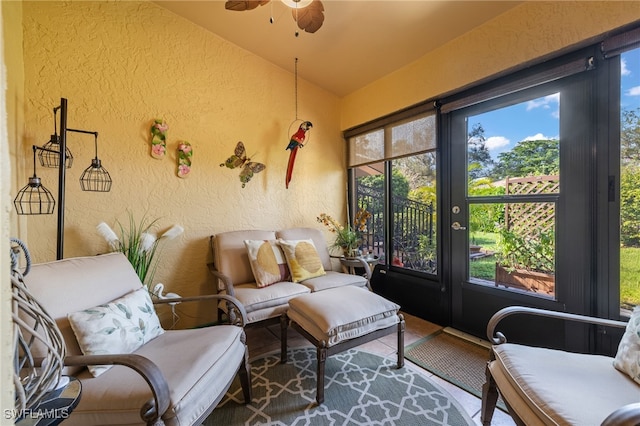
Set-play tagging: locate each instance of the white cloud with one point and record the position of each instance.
(545, 102)
(538, 137)
(495, 142)
(634, 91)
(623, 68)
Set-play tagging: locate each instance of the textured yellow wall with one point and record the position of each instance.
(11, 119)
(524, 33)
(122, 64)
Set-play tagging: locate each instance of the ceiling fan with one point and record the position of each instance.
(307, 13)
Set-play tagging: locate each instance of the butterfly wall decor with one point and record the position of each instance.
(240, 159)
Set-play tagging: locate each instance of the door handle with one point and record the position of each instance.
(457, 227)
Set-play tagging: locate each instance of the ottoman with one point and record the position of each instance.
(341, 318)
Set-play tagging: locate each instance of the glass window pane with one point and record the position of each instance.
(369, 192)
(413, 202)
(630, 181)
(516, 147)
(512, 246)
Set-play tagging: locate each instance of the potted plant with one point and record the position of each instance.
(526, 261)
(348, 238)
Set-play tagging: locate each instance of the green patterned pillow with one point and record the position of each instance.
(627, 359)
(119, 327)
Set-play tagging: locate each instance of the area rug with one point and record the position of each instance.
(455, 359)
(360, 389)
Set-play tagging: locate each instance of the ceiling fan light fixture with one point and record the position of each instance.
(297, 4)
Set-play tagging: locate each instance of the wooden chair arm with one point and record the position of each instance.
(499, 338)
(627, 415)
(238, 314)
(153, 409)
(226, 281)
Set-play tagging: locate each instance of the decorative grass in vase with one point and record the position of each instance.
(139, 244)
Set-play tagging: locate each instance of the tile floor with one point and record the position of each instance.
(264, 340)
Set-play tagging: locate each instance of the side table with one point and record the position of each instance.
(349, 265)
(55, 407)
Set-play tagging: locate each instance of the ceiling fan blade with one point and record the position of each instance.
(311, 17)
(239, 6)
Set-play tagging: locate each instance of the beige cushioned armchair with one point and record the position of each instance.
(177, 378)
(543, 386)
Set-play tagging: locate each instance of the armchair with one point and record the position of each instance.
(543, 386)
(176, 378)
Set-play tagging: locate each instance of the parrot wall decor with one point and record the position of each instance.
(240, 159)
(296, 143)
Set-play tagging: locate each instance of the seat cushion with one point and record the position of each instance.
(213, 355)
(561, 387)
(230, 254)
(111, 276)
(254, 298)
(343, 313)
(334, 279)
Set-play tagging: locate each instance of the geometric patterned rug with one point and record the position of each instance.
(360, 389)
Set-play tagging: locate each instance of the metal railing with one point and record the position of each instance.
(413, 230)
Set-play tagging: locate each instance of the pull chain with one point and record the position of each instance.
(296, 87)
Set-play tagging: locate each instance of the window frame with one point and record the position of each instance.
(386, 124)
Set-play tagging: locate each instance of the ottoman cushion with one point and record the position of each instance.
(343, 313)
(334, 279)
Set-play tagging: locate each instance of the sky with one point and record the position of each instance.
(539, 118)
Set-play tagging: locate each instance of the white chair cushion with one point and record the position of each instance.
(111, 276)
(116, 396)
(334, 279)
(254, 298)
(230, 254)
(562, 387)
(343, 313)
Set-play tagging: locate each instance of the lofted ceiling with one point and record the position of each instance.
(359, 42)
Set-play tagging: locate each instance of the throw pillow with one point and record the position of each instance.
(267, 262)
(119, 327)
(627, 358)
(302, 258)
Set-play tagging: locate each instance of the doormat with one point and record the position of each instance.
(454, 359)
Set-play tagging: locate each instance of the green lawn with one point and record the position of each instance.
(629, 276)
(484, 268)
